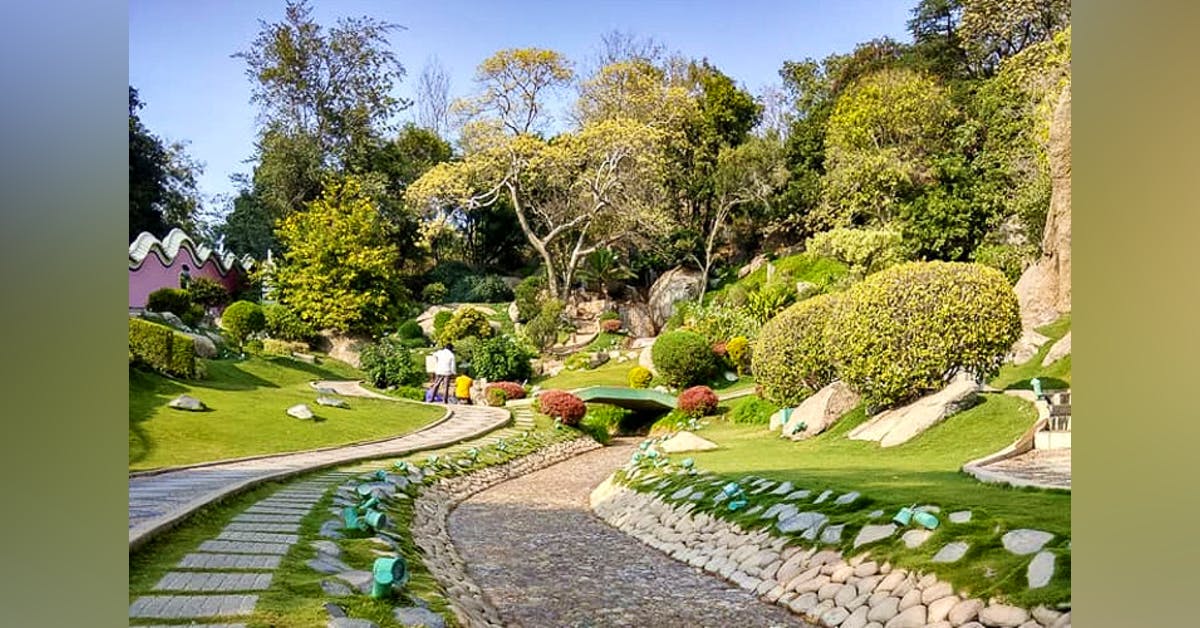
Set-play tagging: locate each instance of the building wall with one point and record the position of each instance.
(153, 275)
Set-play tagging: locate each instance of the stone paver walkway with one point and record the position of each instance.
(543, 559)
(222, 578)
(1038, 467)
(157, 502)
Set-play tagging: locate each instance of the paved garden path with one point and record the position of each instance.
(156, 502)
(543, 559)
(1036, 467)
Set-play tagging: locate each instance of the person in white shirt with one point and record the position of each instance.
(445, 369)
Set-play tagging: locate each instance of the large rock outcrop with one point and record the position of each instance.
(341, 347)
(818, 412)
(894, 427)
(1044, 290)
(677, 284)
(636, 318)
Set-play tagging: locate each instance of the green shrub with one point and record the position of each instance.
(414, 343)
(609, 315)
(439, 322)
(542, 331)
(753, 411)
(639, 377)
(282, 323)
(489, 289)
(410, 329)
(495, 396)
(717, 322)
(501, 358)
(434, 293)
(242, 319)
(602, 421)
(173, 300)
(790, 360)
(1009, 259)
(578, 361)
(528, 297)
(193, 315)
(763, 304)
(865, 251)
(683, 358)
(739, 353)
(207, 292)
(388, 363)
(254, 346)
(274, 346)
(466, 322)
(161, 348)
(906, 330)
(416, 393)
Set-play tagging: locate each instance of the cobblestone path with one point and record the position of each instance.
(543, 559)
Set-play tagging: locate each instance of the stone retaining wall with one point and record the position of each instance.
(429, 532)
(819, 585)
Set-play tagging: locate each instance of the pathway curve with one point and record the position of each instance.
(159, 501)
(543, 559)
(1047, 468)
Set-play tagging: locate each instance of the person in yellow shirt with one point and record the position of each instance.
(462, 388)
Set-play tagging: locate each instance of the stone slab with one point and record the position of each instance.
(210, 581)
(251, 526)
(257, 537)
(872, 533)
(230, 561)
(1041, 569)
(188, 606)
(951, 552)
(1025, 541)
(244, 547)
(267, 518)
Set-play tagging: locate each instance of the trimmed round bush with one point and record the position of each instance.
(466, 322)
(495, 396)
(753, 411)
(409, 330)
(512, 390)
(683, 358)
(284, 324)
(434, 293)
(639, 377)
(562, 405)
(905, 331)
(389, 363)
(698, 401)
(207, 292)
(501, 358)
(739, 353)
(439, 322)
(790, 360)
(243, 318)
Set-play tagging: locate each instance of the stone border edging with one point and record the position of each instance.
(819, 585)
(431, 512)
(139, 535)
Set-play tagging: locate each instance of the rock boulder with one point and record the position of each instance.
(677, 284)
(893, 427)
(820, 411)
(187, 402)
(686, 441)
(1058, 350)
(636, 318)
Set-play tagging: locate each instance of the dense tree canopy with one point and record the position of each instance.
(162, 181)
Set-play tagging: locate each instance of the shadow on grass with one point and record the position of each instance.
(1048, 383)
(147, 392)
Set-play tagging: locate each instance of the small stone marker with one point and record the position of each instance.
(305, 357)
(802, 521)
(800, 494)
(730, 376)
(332, 402)
(875, 514)
(961, 516)
(697, 496)
(872, 533)
(335, 588)
(681, 493)
(187, 402)
(300, 411)
(951, 552)
(325, 390)
(1025, 541)
(1041, 569)
(417, 616)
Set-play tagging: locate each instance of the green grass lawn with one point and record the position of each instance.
(611, 373)
(1055, 376)
(923, 471)
(800, 267)
(246, 400)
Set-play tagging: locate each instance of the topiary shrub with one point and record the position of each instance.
(905, 331)
(242, 319)
(542, 331)
(207, 292)
(683, 358)
(495, 396)
(639, 377)
(389, 363)
(790, 360)
(698, 401)
(173, 300)
(512, 390)
(282, 323)
(753, 411)
(528, 297)
(739, 353)
(410, 329)
(611, 326)
(501, 358)
(466, 322)
(434, 293)
(161, 348)
(562, 405)
(273, 346)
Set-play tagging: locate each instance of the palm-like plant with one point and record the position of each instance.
(603, 268)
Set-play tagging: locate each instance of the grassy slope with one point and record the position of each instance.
(247, 400)
(926, 471)
(611, 373)
(1055, 376)
(800, 267)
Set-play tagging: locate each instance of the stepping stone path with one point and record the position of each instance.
(915, 538)
(961, 516)
(951, 552)
(872, 533)
(847, 498)
(224, 576)
(783, 489)
(1041, 569)
(822, 497)
(1025, 541)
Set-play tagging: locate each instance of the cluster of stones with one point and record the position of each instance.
(225, 575)
(820, 585)
(429, 532)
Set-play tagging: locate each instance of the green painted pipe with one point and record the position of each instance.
(388, 573)
(926, 519)
(350, 519)
(370, 503)
(375, 519)
(904, 516)
(736, 504)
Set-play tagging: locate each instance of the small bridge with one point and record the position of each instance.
(636, 399)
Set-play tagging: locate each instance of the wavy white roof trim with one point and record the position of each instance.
(167, 248)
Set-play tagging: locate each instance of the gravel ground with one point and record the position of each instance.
(544, 559)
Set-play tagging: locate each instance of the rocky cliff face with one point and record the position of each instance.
(1044, 290)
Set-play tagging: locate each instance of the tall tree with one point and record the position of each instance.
(937, 43)
(163, 190)
(433, 98)
(248, 228)
(997, 29)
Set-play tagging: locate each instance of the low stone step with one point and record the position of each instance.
(230, 561)
(192, 606)
(213, 581)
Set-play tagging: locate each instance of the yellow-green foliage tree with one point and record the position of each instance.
(341, 271)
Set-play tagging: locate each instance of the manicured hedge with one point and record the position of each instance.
(162, 349)
(512, 390)
(683, 358)
(790, 360)
(906, 330)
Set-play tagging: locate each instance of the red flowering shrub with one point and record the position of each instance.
(720, 349)
(561, 404)
(512, 390)
(610, 326)
(698, 401)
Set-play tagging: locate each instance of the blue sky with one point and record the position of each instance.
(179, 50)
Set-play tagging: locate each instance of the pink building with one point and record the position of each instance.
(155, 264)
